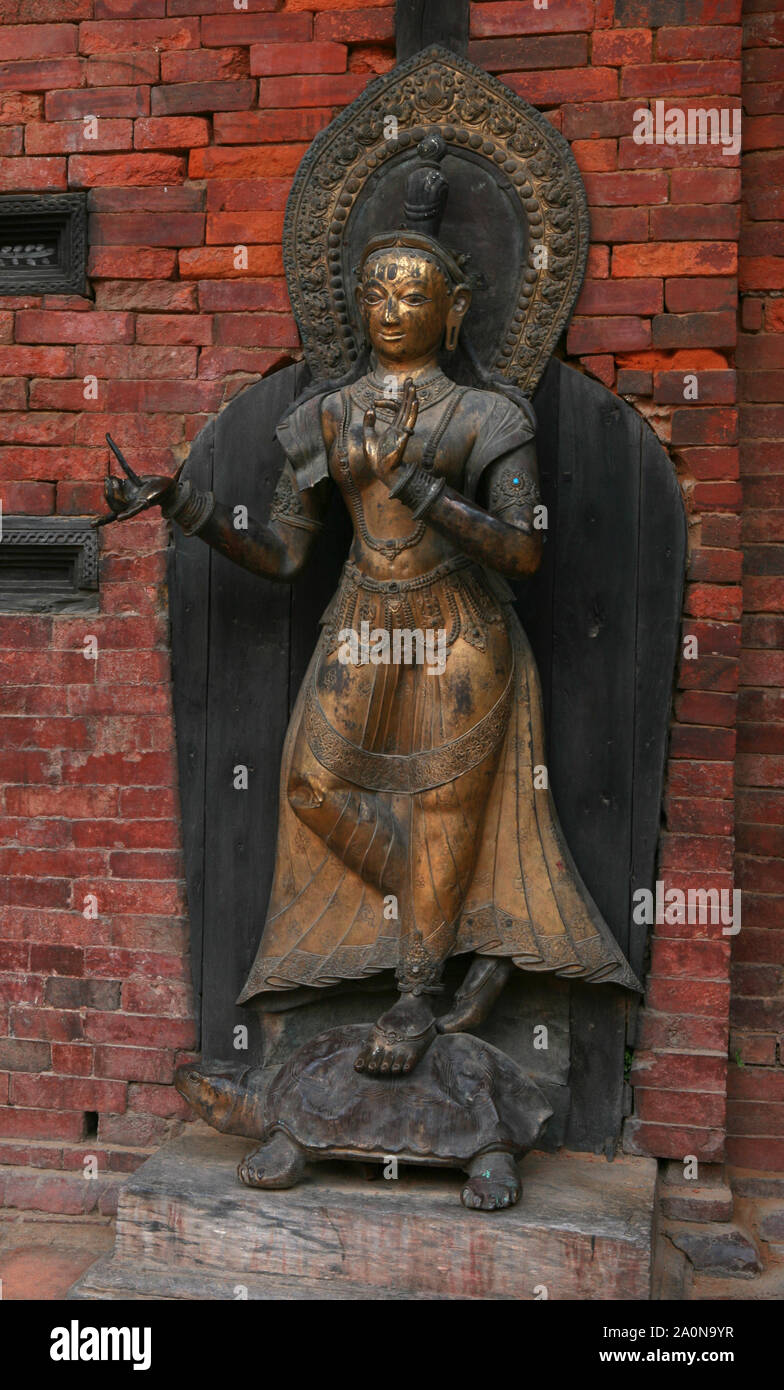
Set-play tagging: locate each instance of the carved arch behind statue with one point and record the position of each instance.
(513, 181)
(603, 615)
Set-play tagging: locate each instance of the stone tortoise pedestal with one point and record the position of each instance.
(187, 1229)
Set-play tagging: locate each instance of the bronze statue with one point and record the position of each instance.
(414, 821)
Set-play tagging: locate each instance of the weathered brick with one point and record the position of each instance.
(131, 9)
(533, 51)
(627, 188)
(673, 45)
(685, 258)
(187, 97)
(249, 228)
(116, 36)
(139, 229)
(689, 223)
(243, 127)
(31, 175)
(278, 59)
(102, 102)
(565, 84)
(508, 17)
(161, 133)
(124, 69)
(140, 263)
(712, 386)
(37, 325)
(155, 198)
(680, 79)
(620, 297)
(687, 295)
(201, 263)
(695, 330)
(42, 76)
(634, 383)
(229, 295)
(217, 30)
(205, 65)
(67, 137)
(617, 333)
(85, 170)
(17, 1054)
(355, 25)
(318, 89)
(660, 13)
(134, 1063)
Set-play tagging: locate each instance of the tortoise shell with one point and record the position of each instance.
(463, 1097)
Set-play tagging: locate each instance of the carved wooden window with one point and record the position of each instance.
(43, 243)
(48, 565)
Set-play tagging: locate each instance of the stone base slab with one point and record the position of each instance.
(187, 1229)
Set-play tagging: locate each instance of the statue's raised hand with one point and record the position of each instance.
(130, 495)
(384, 451)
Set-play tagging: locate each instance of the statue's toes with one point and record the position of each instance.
(470, 1198)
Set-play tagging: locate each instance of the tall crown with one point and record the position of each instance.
(426, 194)
(426, 190)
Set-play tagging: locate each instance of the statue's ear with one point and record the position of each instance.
(461, 301)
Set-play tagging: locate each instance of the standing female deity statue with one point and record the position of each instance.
(414, 822)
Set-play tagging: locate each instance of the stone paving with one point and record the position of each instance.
(41, 1256)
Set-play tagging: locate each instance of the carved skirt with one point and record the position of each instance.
(420, 716)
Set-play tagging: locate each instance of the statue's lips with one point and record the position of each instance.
(392, 337)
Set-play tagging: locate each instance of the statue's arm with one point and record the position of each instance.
(277, 549)
(499, 534)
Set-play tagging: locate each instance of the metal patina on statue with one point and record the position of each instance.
(412, 824)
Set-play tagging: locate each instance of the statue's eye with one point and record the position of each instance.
(415, 299)
(373, 297)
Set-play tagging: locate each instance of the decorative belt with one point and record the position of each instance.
(360, 580)
(404, 772)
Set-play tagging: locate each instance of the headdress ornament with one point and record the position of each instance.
(427, 191)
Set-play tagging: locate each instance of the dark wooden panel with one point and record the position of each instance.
(594, 623)
(189, 605)
(592, 709)
(535, 597)
(247, 710)
(418, 23)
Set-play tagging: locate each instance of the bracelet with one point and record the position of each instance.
(418, 489)
(190, 508)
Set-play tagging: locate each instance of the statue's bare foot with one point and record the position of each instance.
(477, 994)
(278, 1163)
(493, 1183)
(402, 1035)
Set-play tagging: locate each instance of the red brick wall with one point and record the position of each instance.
(204, 114)
(756, 1080)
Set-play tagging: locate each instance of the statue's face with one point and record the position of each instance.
(404, 299)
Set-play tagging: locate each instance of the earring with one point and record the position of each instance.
(452, 330)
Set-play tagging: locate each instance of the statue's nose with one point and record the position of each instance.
(390, 311)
